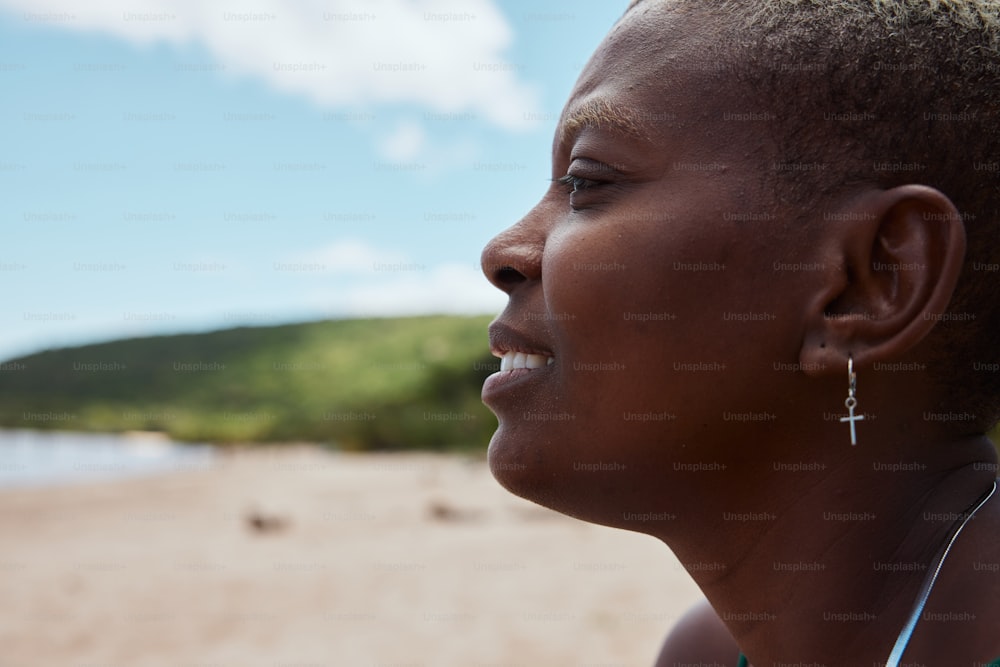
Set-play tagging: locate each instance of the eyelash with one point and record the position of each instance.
(575, 183)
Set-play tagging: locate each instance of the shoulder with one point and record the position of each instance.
(960, 619)
(700, 637)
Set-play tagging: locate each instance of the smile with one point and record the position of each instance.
(513, 360)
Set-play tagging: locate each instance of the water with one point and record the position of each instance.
(31, 458)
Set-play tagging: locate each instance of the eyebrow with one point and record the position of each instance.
(603, 114)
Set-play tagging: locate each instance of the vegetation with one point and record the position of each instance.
(375, 384)
(403, 383)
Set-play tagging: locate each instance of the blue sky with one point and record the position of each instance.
(186, 166)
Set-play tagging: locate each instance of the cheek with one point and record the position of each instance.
(635, 307)
(612, 293)
(613, 323)
(596, 274)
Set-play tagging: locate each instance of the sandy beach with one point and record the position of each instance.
(298, 557)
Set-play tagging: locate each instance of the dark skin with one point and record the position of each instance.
(617, 275)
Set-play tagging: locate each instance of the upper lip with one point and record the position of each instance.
(505, 338)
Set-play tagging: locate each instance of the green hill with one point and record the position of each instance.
(398, 383)
(360, 384)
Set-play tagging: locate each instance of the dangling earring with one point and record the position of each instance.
(852, 401)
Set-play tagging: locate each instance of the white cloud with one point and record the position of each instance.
(358, 280)
(446, 288)
(405, 143)
(348, 256)
(367, 280)
(443, 55)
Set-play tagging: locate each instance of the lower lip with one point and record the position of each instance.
(506, 381)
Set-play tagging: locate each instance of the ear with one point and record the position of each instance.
(894, 266)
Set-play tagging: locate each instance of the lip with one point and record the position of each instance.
(503, 383)
(504, 338)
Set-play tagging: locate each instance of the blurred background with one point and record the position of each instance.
(243, 336)
(179, 167)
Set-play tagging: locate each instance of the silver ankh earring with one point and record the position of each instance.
(852, 401)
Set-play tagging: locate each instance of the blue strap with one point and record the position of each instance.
(743, 662)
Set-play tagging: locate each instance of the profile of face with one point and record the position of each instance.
(647, 305)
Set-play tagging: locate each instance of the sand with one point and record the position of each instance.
(297, 557)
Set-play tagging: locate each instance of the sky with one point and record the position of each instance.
(178, 166)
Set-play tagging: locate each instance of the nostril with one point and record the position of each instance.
(507, 275)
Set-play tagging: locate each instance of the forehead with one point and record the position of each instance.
(640, 75)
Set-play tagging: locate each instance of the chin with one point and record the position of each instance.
(528, 467)
(515, 466)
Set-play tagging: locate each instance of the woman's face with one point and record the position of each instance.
(648, 284)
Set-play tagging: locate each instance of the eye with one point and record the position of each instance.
(575, 183)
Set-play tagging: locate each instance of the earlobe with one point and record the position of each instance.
(900, 258)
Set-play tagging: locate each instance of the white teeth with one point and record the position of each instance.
(534, 361)
(515, 360)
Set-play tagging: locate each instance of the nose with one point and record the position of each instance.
(514, 256)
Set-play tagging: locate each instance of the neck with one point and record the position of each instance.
(829, 570)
